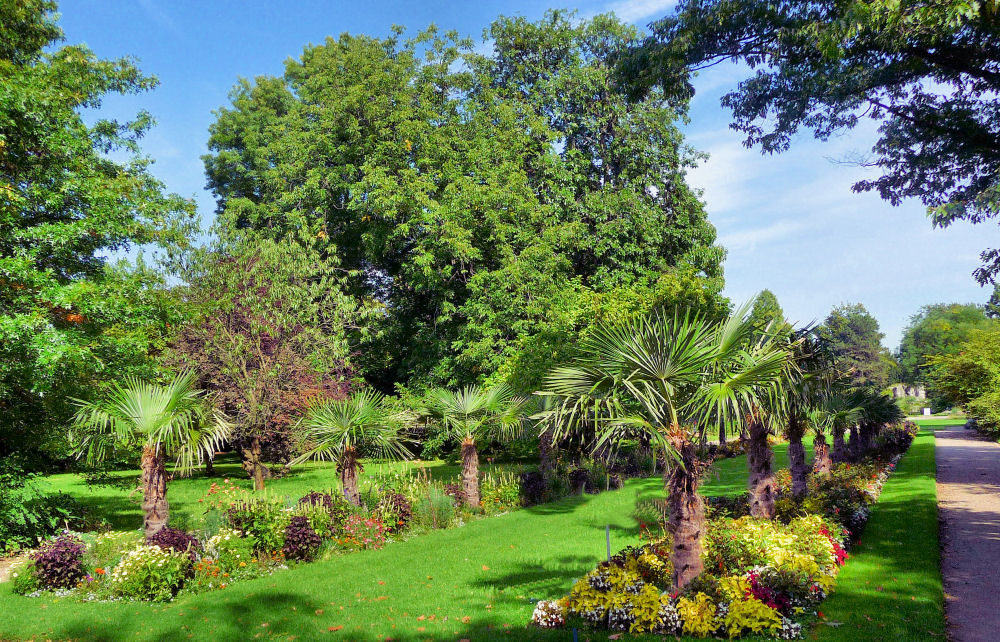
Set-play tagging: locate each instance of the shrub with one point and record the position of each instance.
(150, 574)
(435, 509)
(301, 541)
(456, 492)
(24, 578)
(533, 487)
(175, 539)
(395, 510)
(28, 515)
(59, 562)
(232, 553)
(335, 505)
(260, 519)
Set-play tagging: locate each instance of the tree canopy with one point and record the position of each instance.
(488, 205)
(937, 330)
(852, 336)
(927, 72)
(68, 317)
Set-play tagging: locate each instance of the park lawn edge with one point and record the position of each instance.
(891, 587)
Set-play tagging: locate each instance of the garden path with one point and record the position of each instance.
(968, 486)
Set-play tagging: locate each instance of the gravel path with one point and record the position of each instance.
(968, 486)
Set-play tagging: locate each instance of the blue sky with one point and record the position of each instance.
(790, 222)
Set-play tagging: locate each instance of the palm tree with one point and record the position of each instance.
(163, 420)
(806, 387)
(475, 413)
(345, 430)
(877, 410)
(839, 409)
(650, 377)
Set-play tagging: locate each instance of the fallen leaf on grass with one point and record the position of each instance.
(466, 619)
(335, 628)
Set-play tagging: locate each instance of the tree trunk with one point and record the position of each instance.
(761, 480)
(854, 448)
(155, 509)
(685, 513)
(822, 465)
(797, 458)
(722, 435)
(470, 472)
(210, 465)
(839, 447)
(251, 456)
(348, 469)
(545, 447)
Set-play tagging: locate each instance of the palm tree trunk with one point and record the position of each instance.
(722, 435)
(761, 481)
(155, 509)
(854, 447)
(685, 514)
(822, 465)
(348, 469)
(839, 447)
(210, 465)
(470, 472)
(797, 457)
(545, 446)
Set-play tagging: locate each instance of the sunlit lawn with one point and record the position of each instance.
(479, 581)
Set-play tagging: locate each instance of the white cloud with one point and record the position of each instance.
(636, 10)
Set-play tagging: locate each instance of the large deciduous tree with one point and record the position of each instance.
(854, 341)
(69, 321)
(493, 204)
(937, 330)
(927, 73)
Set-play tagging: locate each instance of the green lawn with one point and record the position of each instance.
(891, 588)
(121, 507)
(474, 582)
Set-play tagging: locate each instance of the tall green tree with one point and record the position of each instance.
(491, 204)
(937, 330)
(70, 321)
(853, 338)
(970, 378)
(924, 72)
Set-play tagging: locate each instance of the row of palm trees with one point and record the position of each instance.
(176, 420)
(664, 378)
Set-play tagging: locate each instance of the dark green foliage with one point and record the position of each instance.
(969, 378)
(490, 208)
(301, 541)
(59, 562)
(852, 336)
(26, 514)
(925, 72)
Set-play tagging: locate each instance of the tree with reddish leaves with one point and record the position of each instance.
(270, 335)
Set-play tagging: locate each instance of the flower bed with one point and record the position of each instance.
(762, 577)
